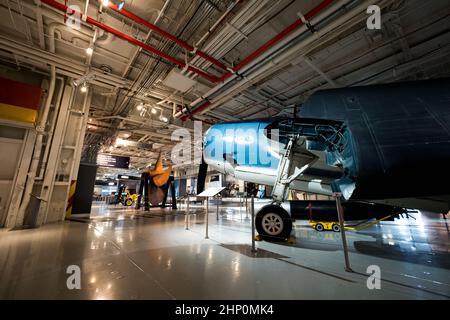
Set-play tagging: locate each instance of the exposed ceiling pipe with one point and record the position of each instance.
(269, 44)
(63, 8)
(52, 123)
(105, 39)
(219, 21)
(135, 54)
(167, 35)
(265, 47)
(37, 152)
(86, 7)
(270, 64)
(65, 66)
(40, 24)
(213, 28)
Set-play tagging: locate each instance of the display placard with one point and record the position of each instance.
(107, 160)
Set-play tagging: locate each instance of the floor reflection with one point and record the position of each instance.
(160, 254)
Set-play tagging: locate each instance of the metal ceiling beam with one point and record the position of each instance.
(167, 35)
(66, 10)
(320, 72)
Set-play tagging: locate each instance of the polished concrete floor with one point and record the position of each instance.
(128, 254)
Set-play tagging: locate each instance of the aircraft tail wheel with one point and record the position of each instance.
(336, 228)
(129, 202)
(319, 227)
(273, 223)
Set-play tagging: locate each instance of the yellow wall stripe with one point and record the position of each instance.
(16, 113)
(73, 187)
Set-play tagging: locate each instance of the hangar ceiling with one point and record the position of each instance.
(142, 98)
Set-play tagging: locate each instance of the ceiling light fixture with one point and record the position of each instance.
(120, 5)
(153, 110)
(89, 50)
(84, 79)
(139, 107)
(105, 3)
(84, 88)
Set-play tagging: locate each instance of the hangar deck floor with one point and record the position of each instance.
(125, 254)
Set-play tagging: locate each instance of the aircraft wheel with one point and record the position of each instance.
(319, 227)
(273, 223)
(336, 228)
(129, 202)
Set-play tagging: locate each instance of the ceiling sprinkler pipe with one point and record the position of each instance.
(63, 8)
(260, 51)
(269, 44)
(273, 61)
(265, 47)
(167, 35)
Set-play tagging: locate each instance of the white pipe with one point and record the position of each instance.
(52, 30)
(38, 145)
(269, 65)
(80, 131)
(68, 67)
(49, 180)
(86, 7)
(92, 45)
(283, 57)
(227, 37)
(214, 26)
(54, 27)
(52, 127)
(136, 52)
(40, 24)
(105, 39)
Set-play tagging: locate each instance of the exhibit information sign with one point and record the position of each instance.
(107, 160)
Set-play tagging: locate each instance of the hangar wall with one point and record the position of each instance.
(59, 156)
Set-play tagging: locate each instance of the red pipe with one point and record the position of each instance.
(178, 41)
(65, 9)
(269, 44)
(321, 6)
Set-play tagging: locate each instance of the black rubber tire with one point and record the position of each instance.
(275, 211)
(319, 227)
(336, 228)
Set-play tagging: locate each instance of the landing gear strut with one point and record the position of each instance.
(273, 223)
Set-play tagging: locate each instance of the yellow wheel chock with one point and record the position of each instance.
(292, 240)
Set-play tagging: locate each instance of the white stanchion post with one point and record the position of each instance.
(252, 209)
(186, 218)
(217, 209)
(207, 218)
